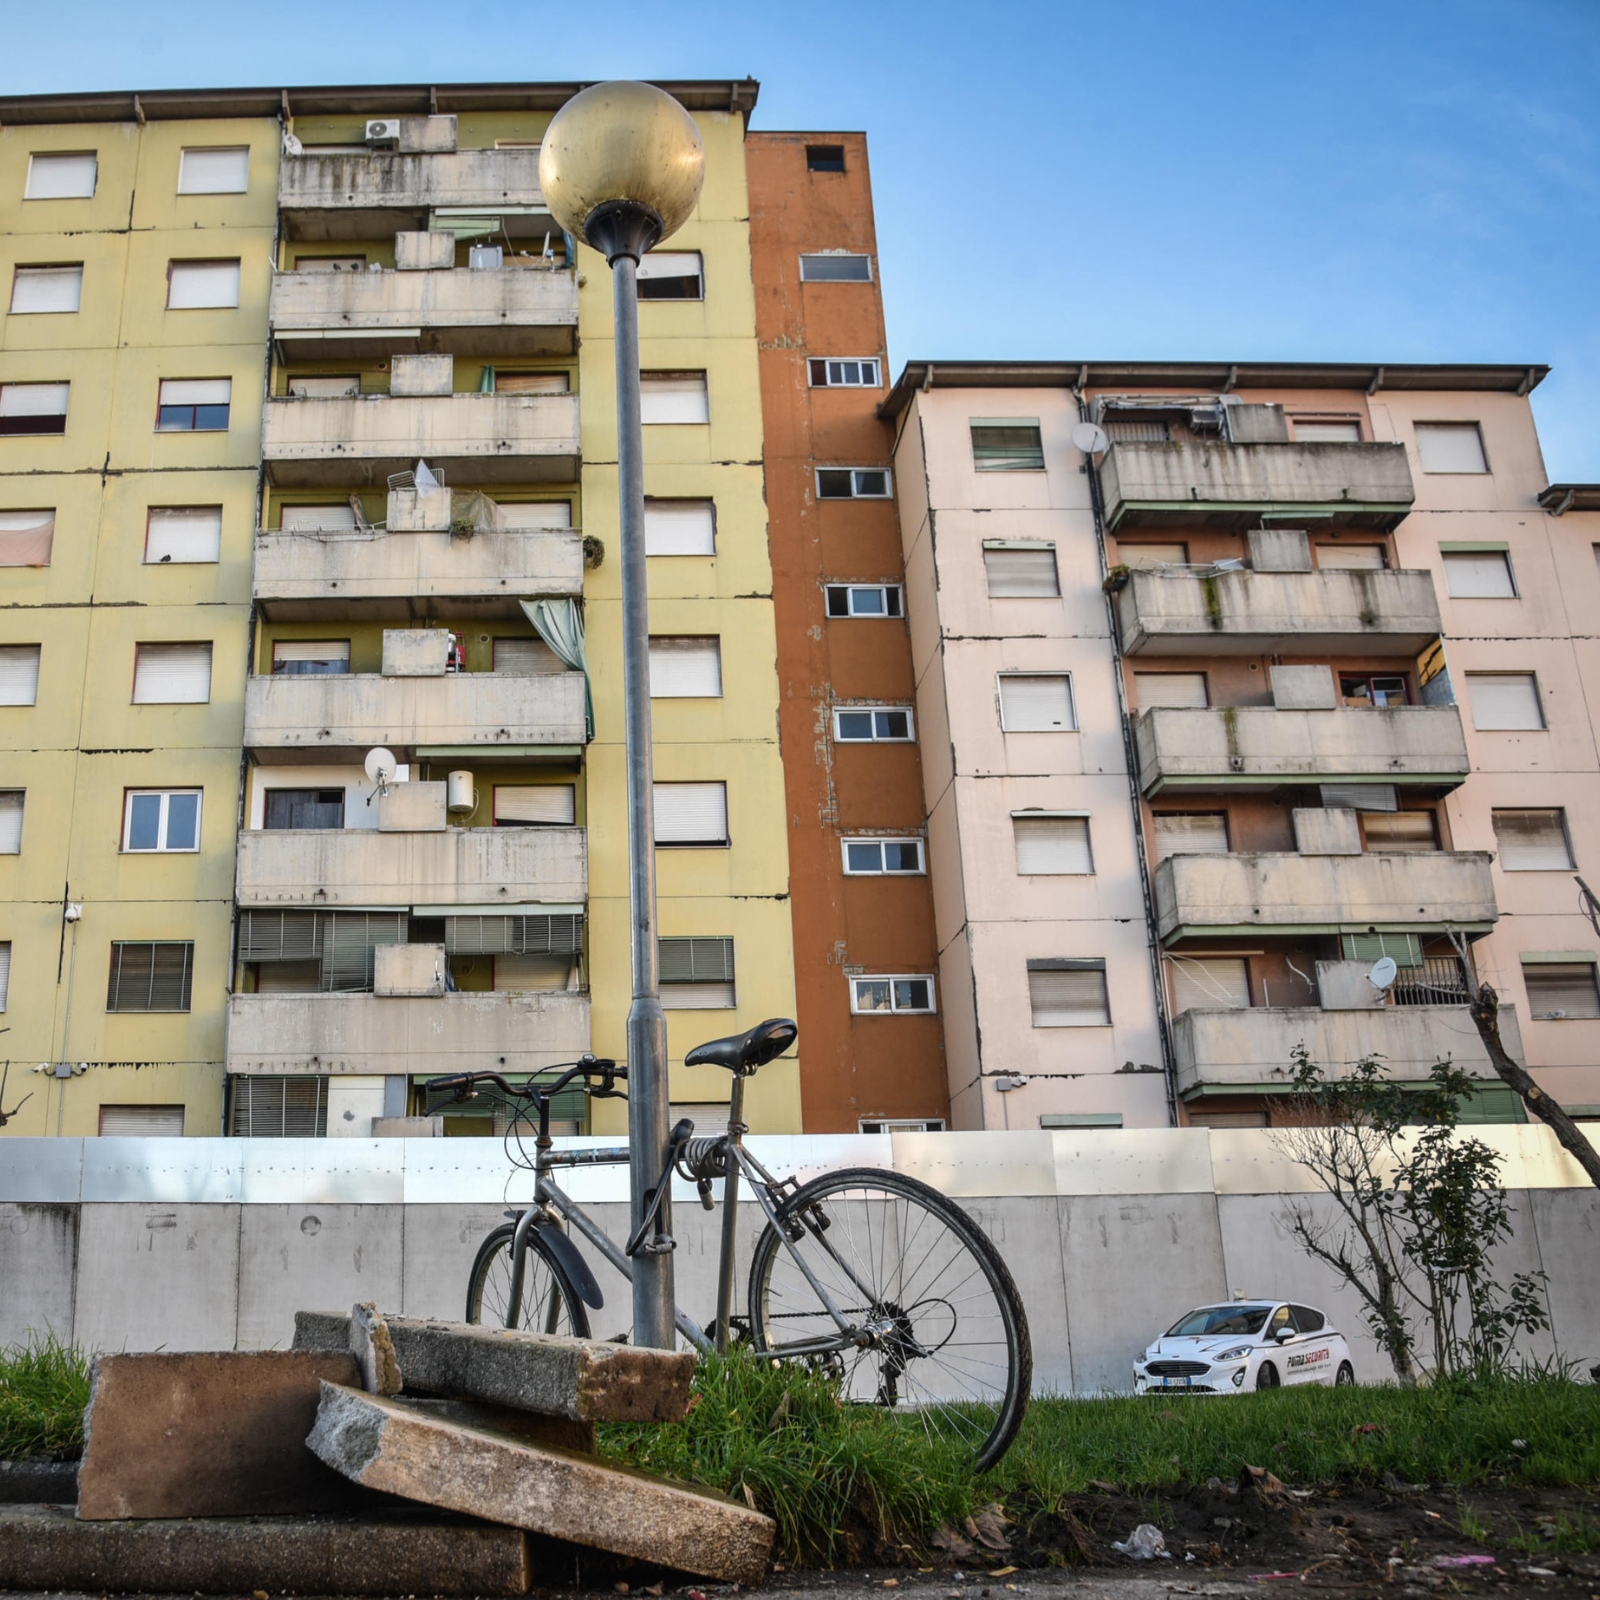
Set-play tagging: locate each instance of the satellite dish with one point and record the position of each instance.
(1090, 438)
(380, 766)
(1383, 972)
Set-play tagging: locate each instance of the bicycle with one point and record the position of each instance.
(867, 1275)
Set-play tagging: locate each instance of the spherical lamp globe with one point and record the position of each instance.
(621, 167)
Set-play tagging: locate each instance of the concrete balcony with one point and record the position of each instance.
(415, 1035)
(306, 577)
(337, 867)
(1233, 485)
(360, 440)
(367, 194)
(1258, 747)
(1250, 1051)
(468, 714)
(514, 311)
(1173, 612)
(1391, 893)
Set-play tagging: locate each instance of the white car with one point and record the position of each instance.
(1248, 1344)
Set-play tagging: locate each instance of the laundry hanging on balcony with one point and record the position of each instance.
(560, 624)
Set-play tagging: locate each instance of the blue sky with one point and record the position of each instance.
(1412, 181)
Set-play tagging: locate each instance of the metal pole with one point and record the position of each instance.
(654, 1300)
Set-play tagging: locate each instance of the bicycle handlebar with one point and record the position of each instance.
(462, 1085)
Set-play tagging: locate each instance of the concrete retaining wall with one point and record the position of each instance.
(122, 1244)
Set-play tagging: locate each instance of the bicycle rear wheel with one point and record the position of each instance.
(549, 1302)
(938, 1326)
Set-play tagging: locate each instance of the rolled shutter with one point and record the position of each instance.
(1068, 994)
(1532, 841)
(11, 801)
(1475, 575)
(1561, 989)
(202, 285)
(315, 519)
(172, 674)
(37, 290)
(1505, 700)
(67, 175)
(532, 973)
(1209, 983)
(691, 813)
(280, 936)
(1359, 797)
(531, 383)
(141, 1122)
(347, 943)
(220, 171)
(1021, 574)
(34, 399)
(26, 538)
(5, 973)
(1450, 447)
(183, 534)
(1051, 845)
(1184, 691)
(668, 397)
(1036, 703)
(1190, 834)
(552, 804)
(525, 656)
(685, 669)
(533, 514)
(679, 528)
(280, 1108)
(531, 934)
(19, 674)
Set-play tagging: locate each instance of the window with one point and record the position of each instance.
(882, 857)
(1327, 430)
(852, 483)
(825, 158)
(1141, 430)
(525, 974)
(62, 175)
(303, 808)
(880, 995)
(1505, 700)
(1398, 832)
(148, 975)
(1007, 444)
(141, 1122)
(193, 405)
(1181, 690)
(900, 1124)
(1068, 994)
(161, 820)
(278, 1108)
(1372, 691)
(1560, 991)
(1350, 557)
(1081, 1119)
(519, 516)
(673, 397)
(19, 674)
(222, 169)
(530, 805)
(685, 669)
(37, 290)
(5, 973)
(1533, 841)
(1143, 556)
(691, 813)
(317, 519)
(171, 674)
(202, 285)
(310, 658)
(11, 801)
(1482, 574)
(1451, 447)
(33, 407)
(850, 373)
(323, 385)
(864, 600)
(1190, 833)
(1036, 702)
(680, 528)
(330, 264)
(1209, 983)
(183, 534)
(1018, 571)
(672, 275)
(873, 725)
(26, 538)
(835, 266)
(696, 974)
(532, 383)
(1049, 846)
(525, 656)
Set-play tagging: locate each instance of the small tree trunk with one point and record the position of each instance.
(1486, 1014)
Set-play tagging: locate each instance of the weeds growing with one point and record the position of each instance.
(44, 1386)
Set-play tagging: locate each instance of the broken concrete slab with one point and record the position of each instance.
(373, 1349)
(30, 1482)
(586, 1380)
(562, 1432)
(387, 1444)
(212, 1434)
(44, 1547)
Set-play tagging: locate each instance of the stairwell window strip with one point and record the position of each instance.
(27, 538)
(680, 528)
(1533, 841)
(11, 808)
(835, 266)
(183, 535)
(694, 814)
(1036, 702)
(864, 600)
(19, 674)
(696, 974)
(854, 483)
(1068, 993)
(873, 725)
(62, 175)
(42, 291)
(1505, 701)
(1019, 571)
(847, 372)
(161, 821)
(150, 975)
(672, 275)
(1050, 845)
(882, 857)
(673, 398)
(172, 674)
(907, 994)
(214, 169)
(685, 669)
(202, 285)
(33, 408)
(1007, 444)
(193, 405)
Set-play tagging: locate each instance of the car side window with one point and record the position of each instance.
(1307, 1320)
(1280, 1321)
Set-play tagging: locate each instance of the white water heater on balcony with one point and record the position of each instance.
(461, 794)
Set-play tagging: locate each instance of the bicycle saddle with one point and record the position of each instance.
(744, 1052)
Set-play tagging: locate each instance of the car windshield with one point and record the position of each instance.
(1220, 1320)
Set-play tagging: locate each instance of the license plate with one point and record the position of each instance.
(1176, 1383)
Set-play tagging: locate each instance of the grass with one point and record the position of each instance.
(44, 1386)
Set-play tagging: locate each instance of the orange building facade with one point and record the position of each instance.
(864, 942)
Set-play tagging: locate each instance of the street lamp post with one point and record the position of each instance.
(621, 168)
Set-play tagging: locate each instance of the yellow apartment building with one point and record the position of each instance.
(393, 530)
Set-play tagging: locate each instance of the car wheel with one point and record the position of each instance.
(1346, 1376)
(1267, 1377)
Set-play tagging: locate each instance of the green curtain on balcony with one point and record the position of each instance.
(560, 624)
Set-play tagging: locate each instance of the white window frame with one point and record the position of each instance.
(853, 589)
(906, 711)
(834, 255)
(162, 848)
(868, 374)
(856, 491)
(1000, 701)
(894, 1008)
(919, 871)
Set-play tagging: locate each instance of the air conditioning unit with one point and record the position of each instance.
(1206, 420)
(383, 133)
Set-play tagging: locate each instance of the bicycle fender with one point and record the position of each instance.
(575, 1267)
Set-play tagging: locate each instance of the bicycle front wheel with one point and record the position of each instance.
(933, 1324)
(549, 1302)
